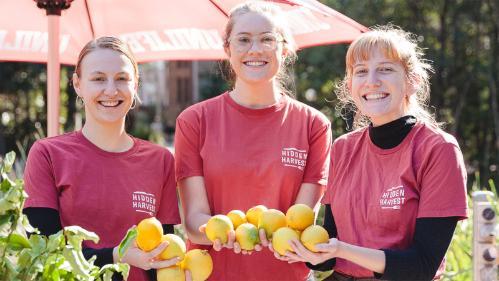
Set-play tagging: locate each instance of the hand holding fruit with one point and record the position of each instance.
(325, 251)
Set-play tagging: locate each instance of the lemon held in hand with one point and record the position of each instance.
(271, 220)
(199, 263)
(300, 216)
(312, 235)
(149, 233)
(218, 227)
(176, 247)
(247, 236)
(253, 214)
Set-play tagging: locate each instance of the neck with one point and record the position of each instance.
(255, 95)
(108, 137)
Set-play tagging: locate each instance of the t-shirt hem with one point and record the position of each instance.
(322, 182)
(460, 213)
(189, 174)
(39, 204)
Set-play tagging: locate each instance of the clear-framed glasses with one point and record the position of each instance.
(267, 41)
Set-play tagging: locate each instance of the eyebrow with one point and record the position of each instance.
(383, 62)
(100, 72)
(249, 33)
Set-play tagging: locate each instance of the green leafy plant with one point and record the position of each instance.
(37, 257)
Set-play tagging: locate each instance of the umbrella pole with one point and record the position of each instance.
(53, 76)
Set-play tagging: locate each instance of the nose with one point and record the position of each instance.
(255, 46)
(373, 79)
(111, 88)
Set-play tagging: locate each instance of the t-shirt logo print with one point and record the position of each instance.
(144, 202)
(393, 198)
(294, 157)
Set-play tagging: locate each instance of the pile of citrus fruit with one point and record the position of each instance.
(298, 222)
(198, 262)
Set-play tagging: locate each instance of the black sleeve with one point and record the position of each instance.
(47, 220)
(330, 226)
(432, 238)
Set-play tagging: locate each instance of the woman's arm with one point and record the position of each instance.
(195, 207)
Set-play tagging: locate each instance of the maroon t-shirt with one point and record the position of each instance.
(377, 194)
(102, 191)
(250, 157)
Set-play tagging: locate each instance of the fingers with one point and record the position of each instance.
(237, 248)
(231, 238)
(156, 251)
(258, 247)
(188, 276)
(217, 245)
(164, 263)
(263, 237)
(202, 228)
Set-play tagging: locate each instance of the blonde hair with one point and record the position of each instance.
(111, 43)
(398, 45)
(276, 15)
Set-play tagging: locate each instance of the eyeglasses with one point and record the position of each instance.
(267, 41)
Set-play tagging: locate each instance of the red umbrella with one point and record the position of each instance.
(154, 29)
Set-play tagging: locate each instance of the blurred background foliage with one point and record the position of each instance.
(460, 37)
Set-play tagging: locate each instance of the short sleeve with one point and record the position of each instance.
(168, 209)
(188, 161)
(317, 168)
(39, 179)
(443, 184)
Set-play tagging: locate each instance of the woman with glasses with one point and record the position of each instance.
(251, 145)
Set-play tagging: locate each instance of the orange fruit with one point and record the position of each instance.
(247, 236)
(237, 217)
(271, 220)
(313, 235)
(199, 263)
(176, 247)
(300, 216)
(253, 214)
(280, 240)
(218, 227)
(172, 273)
(149, 233)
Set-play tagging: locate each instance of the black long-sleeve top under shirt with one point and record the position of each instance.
(432, 236)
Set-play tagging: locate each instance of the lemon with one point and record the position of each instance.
(149, 233)
(300, 216)
(253, 214)
(237, 217)
(199, 263)
(176, 247)
(172, 273)
(218, 227)
(247, 236)
(313, 235)
(281, 238)
(271, 220)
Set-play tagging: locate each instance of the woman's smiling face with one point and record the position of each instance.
(380, 88)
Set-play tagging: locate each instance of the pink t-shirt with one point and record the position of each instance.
(249, 157)
(101, 191)
(376, 194)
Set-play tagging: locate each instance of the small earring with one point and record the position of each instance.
(134, 103)
(79, 100)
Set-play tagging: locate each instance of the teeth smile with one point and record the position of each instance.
(376, 96)
(255, 63)
(110, 103)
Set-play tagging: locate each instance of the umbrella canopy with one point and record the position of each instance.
(154, 29)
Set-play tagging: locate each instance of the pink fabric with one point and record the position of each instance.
(103, 192)
(249, 157)
(377, 194)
